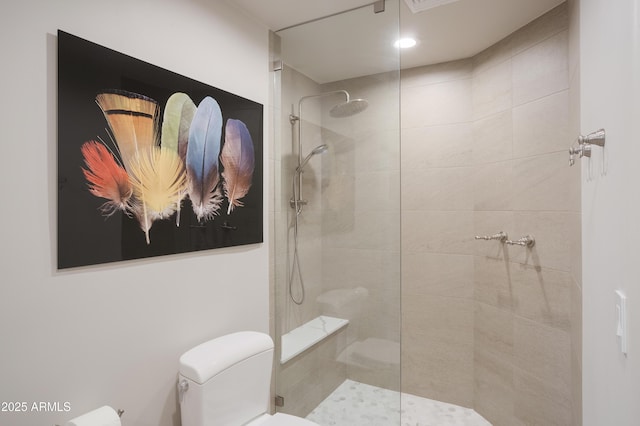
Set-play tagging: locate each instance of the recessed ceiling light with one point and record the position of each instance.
(405, 43)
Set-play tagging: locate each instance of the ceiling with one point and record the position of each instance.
(360, 42)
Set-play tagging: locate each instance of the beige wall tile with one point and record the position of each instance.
(377, 230)
(438, 274)
(492, 282)
(437, 146)
(437, 231)
(542, 126)
(551, 231)
(540, 183)
(537, 402)
(544, 353)
(493, 138)
(491, 90)
(438, 73)
(349, 268)
(438, 189)
(553, 22)
(386, 378)
(541, 70)
(437, 348)
(492, 56)
(375, 191)
(493, 186)
(493, 333)
(442, 103)
(542, 295)
(493, 388)
(376, 150)
(380, 317)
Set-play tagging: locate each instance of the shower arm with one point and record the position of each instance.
(298, 201)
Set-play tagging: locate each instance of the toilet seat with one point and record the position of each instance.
(281, 419)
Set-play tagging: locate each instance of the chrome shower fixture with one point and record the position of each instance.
(348, 108)
(317, 150)
(345, 109)
(500, 236)
(297, 202)
(526, 241)
(583, 149)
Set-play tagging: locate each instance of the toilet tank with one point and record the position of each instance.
(226, 381)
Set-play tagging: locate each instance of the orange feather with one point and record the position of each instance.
(105, 177)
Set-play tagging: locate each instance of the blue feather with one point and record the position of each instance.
(203, 150)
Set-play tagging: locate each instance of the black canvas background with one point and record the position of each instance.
(85, 236)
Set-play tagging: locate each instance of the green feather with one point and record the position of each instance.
(178, 114)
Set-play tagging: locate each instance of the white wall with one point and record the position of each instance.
(609, 75)
(112, 334)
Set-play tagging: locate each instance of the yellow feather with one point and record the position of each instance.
(159, 183)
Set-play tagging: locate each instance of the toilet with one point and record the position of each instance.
(227, 382)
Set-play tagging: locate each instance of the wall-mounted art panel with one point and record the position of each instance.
(150, 162)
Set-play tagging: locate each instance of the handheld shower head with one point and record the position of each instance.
(317, 150)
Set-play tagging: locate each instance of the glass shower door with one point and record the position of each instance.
(336, 228)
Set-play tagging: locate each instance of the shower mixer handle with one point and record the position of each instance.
(294, 203)
(583, 149)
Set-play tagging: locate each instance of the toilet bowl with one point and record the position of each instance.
(227, 382)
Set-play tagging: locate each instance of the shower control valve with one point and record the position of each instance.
(582, 150)
(297, 203)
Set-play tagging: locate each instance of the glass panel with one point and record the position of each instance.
(337, 220)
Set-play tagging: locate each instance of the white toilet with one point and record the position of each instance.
(226, 382)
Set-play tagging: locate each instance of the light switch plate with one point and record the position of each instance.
(621, 326)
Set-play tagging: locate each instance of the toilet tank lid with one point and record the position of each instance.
(213, 357)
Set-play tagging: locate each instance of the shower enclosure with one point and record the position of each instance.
(336, 231)
(489, 323)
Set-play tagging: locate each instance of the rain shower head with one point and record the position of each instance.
(345, 109)
(317, 150)
(349, 108)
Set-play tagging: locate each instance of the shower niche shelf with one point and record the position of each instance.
(308, 334)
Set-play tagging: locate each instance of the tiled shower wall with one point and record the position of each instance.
(484, 149)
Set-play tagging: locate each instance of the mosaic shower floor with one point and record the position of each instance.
(358, 404)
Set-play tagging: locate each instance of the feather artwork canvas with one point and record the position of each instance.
(150, 162)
